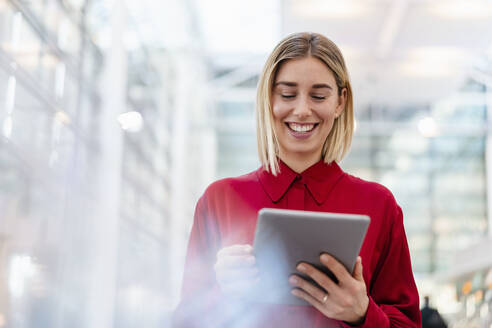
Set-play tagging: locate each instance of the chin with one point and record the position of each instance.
(303, 151)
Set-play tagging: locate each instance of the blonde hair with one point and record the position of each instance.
(301, 45)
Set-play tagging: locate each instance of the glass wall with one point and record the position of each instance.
(433, 159)
(144, 244)
(49, 108)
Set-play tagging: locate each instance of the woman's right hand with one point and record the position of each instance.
(235, 269)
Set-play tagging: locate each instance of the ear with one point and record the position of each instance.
(342, 100)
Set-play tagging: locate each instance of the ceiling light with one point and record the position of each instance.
(438, 53)
(3, 6)
(327, 9)
(427, 69)
(434, 62)
(462, 9)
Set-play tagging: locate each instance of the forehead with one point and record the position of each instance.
(305, 71)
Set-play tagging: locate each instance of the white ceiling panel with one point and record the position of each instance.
(400, 51)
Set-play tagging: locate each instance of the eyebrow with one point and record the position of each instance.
(289, 84)
(315, 86)
(321, 86)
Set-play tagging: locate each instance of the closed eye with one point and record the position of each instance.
(319, 97)
(288, 96)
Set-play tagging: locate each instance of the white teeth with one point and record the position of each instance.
(301, 127)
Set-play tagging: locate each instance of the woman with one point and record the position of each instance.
(304, 127)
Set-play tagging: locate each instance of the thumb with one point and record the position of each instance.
(358, 269)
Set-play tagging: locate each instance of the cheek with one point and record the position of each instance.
(280, 110)
(327, 112)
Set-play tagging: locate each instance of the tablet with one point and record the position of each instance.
(283, 238)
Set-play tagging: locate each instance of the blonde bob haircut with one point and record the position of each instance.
(301, 45)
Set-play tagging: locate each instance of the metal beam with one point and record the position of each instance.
(235, 77)
(391, 27)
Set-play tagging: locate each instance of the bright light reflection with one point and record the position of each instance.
(445, 299)
(131, 121)
(60, 80)
(16, 26)
(484, 311)
(470, 306)
(22, 268)
(428, 127)
(134, 297)
(62, 117)
(7, 127)
(10, 99)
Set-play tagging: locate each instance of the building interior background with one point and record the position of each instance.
(115, 115)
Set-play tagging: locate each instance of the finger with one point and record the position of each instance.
(307, 287)
(328, 308)
(308, 298)
(235, 250)
(235, 262)
(336, 267)
(226, 276)
(322, 279)
(358, 269)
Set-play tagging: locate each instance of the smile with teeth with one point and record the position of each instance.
(304, 127)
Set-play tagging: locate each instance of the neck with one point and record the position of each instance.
(298, 162)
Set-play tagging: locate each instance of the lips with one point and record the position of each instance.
(301, 130)
(301, 127)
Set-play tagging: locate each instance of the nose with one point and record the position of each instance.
(302, 108)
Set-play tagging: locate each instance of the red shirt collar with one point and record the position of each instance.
(319, 179)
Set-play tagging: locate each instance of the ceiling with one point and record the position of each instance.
(397, 51)
(401, 51)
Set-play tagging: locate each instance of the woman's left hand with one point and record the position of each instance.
(346, 300)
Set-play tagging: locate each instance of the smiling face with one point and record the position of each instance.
(305, 103)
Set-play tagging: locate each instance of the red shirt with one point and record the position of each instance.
(227, 213)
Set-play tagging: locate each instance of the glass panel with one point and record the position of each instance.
(47, 176)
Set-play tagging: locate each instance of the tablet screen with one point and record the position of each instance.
(283, 238)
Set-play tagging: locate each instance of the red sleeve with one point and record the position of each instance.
(199, 290)
(393, 296)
